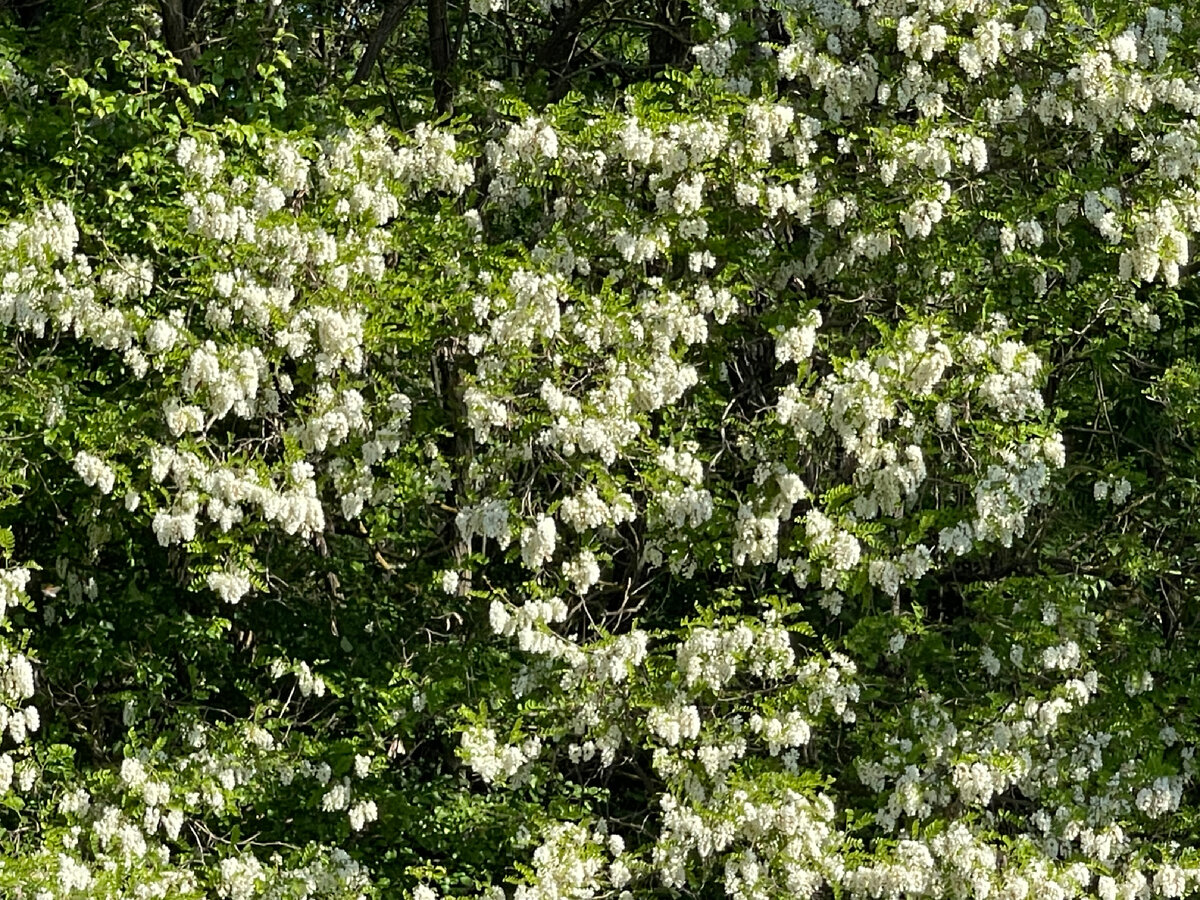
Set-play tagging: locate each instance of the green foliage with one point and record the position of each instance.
(562, 469)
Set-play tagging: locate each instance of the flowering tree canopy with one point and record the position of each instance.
(586, 449)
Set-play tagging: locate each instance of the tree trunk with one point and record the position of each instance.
(439, 55)
(669, 43)
(29, 13)
(379, 38)
(176, 37)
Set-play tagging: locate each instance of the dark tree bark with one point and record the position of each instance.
(440, 59)
(176, 35)
(556, 53)
(29, 13)
(670, 42)
(379, 38)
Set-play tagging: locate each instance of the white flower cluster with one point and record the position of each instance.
(710, 657)
(681, 501)
(674, 723)
(18, 718)
(524, 145)
(129, 826)
(538, 542)
(532, 309)
(790, 730)
(231, 585)
(1116, 489)
(225, 493)
(582, 570)
(866, 400)
(43, 282)
(15, 85)
(529, 624)
(608, 662)
(271, 292)
(1160, 245)
(769, 837)
(931, 422)
(95, 472)
(1100, 208)
(796, 344)
(586, 510)
(488, 519)
(365, 170)
(1011, 488)
(16, 686)
(12, 588)
(494, 762)
(570, 861)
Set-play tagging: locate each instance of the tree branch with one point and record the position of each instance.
(387, 24)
